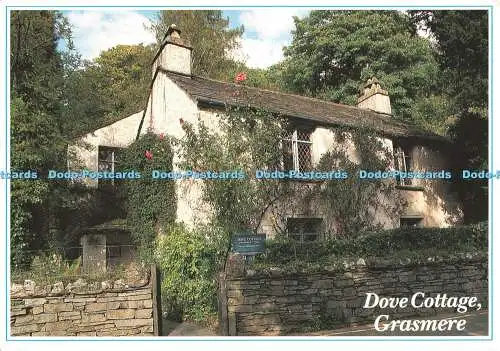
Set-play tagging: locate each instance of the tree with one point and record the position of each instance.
(334, 52)
(37, 143)
(462, 41)
(113, 85)
(209, 34)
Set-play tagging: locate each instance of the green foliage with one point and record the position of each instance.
(188, 262)
(208, 33)
(256, 77)
(115, 84)
(151, 204)
(462, 41)
(35, 64)
(434, 112)
(334, 52)
(471, 152)
(48, 268)
(37, 141)
(382, 244)
(21, 234)
(51, 267)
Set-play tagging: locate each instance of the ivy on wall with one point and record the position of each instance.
(354, 204)
(246, 140)
(151, 204)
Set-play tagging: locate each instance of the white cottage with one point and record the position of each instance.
(176, 93)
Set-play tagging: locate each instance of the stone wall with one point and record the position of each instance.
(275, 301)
(80, 309)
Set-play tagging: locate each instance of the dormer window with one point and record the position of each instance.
(296, 145)
(403, 161)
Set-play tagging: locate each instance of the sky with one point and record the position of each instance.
(266, 31)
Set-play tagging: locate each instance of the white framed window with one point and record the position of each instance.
(304, 229)
(108, 161)
(296, 146)
(403, 162)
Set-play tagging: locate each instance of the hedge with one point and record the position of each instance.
(384, 243)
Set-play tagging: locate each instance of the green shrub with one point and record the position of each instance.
(383, 243)
(188, 261)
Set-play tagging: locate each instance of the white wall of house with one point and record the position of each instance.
(435, 204)
(323, 141)
(168, 105)
(84, 153)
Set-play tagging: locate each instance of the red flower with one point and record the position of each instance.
(148, 154)
(240, 77)
(161, 136)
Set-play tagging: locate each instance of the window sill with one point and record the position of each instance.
(410, 187)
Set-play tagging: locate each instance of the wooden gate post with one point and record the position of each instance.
(156, 289)
(222, 304)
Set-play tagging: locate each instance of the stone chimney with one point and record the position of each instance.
(174, 53)
(374, 97)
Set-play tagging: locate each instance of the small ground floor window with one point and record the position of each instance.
(411, 221)
(304, 229)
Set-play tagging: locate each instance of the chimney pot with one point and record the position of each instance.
(174, 53)
(173, 31)
(375, 98)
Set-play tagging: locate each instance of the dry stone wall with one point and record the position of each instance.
(81, 309)
(275, 301)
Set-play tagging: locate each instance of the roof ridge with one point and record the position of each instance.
(331, 112)
(279, 92)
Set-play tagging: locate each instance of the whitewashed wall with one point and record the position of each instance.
(168, 105)
(435, 203)
(84, 153)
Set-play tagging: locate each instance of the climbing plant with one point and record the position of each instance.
(245, 140)
(188, 260)
(248, 139)
(151, 204)
(355, 204)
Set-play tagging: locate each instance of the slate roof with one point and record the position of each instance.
(320, 111)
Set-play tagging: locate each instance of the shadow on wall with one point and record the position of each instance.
(440, 195)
